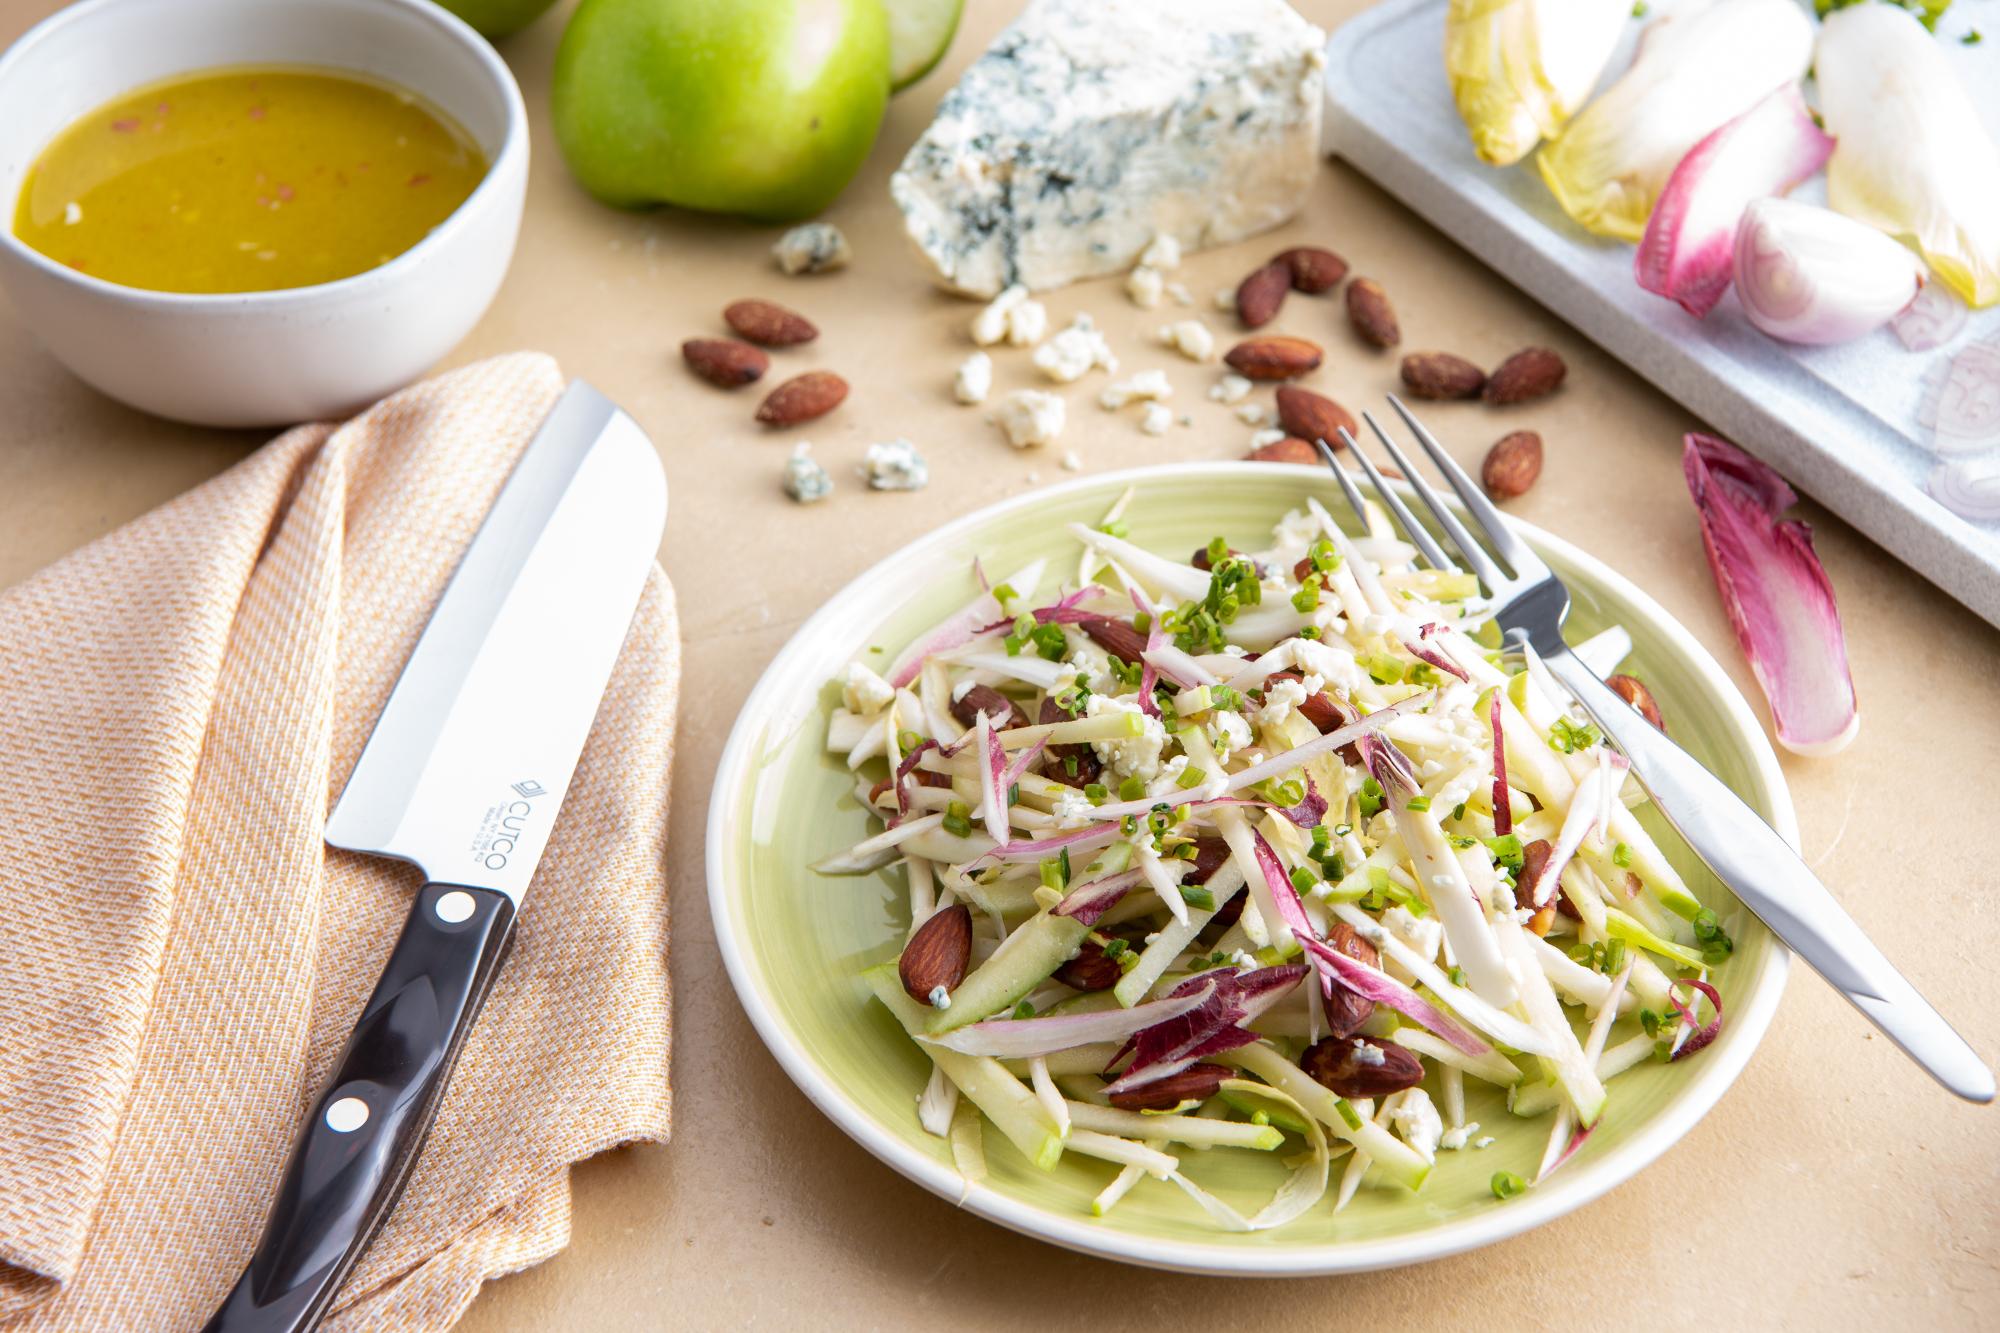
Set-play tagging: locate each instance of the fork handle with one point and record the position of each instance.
(1763, 871)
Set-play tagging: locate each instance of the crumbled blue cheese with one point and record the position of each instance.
(895, 466)
(805, 480)
(1252, 414)
(1230, 389)
(1133, 756)
(1145, 286)
(1164, 254)
(1280, 698)
(1258, 439)
(1072, 461)
(1483, 1141)
(1073, 808)
(1193, 340)
(1228, 732)
(1452, 1140)
(1179, 294)
(940, 998)
(1414, 1117)
(1334, 666)
(1157, 419)
(1030, 417)
(1367, 1053)
(816, 247)
(863, 691)
(1423, 934)
(1091, 128)
(974, 379)
(1225, 300)
(1146, 386)
(1011, 318)
(1075, 352)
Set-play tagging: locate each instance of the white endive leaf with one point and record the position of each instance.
(1519, 69)
(1695, 70)
(1912, 159)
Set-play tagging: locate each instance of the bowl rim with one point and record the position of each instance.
(1751, 1013)
(510, 160)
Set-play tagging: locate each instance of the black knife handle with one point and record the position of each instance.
(366, 1129)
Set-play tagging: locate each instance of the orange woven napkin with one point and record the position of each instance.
(181, 956)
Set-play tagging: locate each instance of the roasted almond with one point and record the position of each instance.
(1200, 558)
(1512, 465)
(1349, 1009)
(1090, 969)
(1325, 712)
(1291, 449)
(1534, 860)
(1313, 270)
(1368, 309)
(1336, 1063)
(1531, 372)
(769, 324)
(1209, 856)
(1259, 296)
(1074, 765)
(1114, 637)
(1312, 416)
(936, 956)
(724, 361)
(1633, 691)
(1196, 1083)
(1274, 356)
(999, 709)
(1442, 376)
(802, 398)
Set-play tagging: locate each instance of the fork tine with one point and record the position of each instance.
(1418, 534)
(1346, 482)
(1475, 554)
(1526, 564)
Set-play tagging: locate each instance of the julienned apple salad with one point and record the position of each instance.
(1268, 851)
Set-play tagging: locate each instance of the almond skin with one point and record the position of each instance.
(1260, 296)
(1274, 357)
(1368, 309)
(1312, 416)
(1313, 270)
(1196, 1083)
(1348, 1009)
(724, 362)
(938, 953)
(1073, 765)
(1512, 465)
(985, 699)
(1331, 1062)
(1532, 372)
(1534, 858)
(1633, 691)
(1114, 637)
(1090, 970)
(769, 324)
(802, 398)
(1291, 449)
(1440, 376)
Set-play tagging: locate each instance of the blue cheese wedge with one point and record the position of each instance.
(1092, 128)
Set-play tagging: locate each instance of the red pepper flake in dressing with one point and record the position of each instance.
(126, 124)
(419, 178)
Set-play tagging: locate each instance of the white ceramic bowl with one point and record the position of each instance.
(263, 358)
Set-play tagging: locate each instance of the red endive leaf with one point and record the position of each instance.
(1779, 599)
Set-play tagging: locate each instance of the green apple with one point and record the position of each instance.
(920, 32)
(497, 18)
(764, 108)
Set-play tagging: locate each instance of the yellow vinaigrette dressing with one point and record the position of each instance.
(245, 180)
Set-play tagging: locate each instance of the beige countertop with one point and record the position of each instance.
(1834, 1186)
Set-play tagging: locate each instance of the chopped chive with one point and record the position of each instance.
(1506, 1184)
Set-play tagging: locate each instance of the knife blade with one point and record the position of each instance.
(463, 775)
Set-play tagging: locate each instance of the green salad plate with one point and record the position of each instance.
(796, 942)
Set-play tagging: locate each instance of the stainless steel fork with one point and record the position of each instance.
(1730, 838)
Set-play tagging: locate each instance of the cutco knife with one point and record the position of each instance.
(463, 775)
